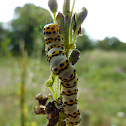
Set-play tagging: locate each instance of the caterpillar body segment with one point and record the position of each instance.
(51, 30)
(61, 66)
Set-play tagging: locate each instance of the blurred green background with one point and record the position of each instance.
(24, 71)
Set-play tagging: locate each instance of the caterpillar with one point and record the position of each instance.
(61, 66)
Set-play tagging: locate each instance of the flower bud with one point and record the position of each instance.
(73, 19)
(50, 81)
(60, 20)
(53, 5)
(40, 96)
(74, 56)
(74, 25)
(80, 17)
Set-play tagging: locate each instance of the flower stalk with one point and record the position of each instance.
(69, 24)
(79, 18)
(53, 6)
(66, 12)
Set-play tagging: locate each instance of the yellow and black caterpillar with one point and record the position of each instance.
(61, 66)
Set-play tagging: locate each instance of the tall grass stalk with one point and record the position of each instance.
(23, 84)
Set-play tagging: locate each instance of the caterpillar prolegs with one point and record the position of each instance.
(61, 66)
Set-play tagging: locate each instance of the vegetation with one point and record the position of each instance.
(101, 70)
(26, 28)
(111, 44)
(102, 78)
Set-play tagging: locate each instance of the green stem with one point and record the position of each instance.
(23, 83)
(75, 34)
(55, 86)
(71, 24)
(53, 92)
(66, 7)
(72, 7)
(70, 32)
(54, 16)
(66, 11)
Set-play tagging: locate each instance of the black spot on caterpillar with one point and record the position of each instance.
(61, 66)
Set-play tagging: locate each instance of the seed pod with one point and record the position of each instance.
(42, 99)
(80, 17)
(53, 6)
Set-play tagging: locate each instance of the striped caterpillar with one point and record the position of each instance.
(61, 66)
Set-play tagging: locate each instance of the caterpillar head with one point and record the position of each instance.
(51, 30)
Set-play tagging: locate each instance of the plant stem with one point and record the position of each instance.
(54, 16)
(70, 32)
(72, 8)
(75, 34)
(55, 87)
(66, 11)
(53, 92)
(23, 82)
